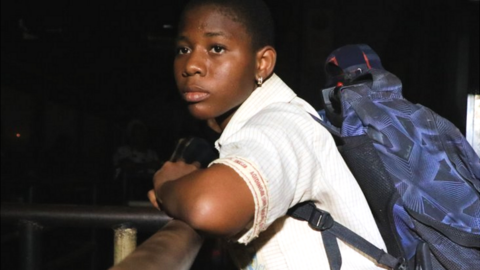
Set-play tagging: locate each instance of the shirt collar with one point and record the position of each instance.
(273, 90)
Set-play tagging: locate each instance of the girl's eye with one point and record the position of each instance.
(182, 50)
(218, 49)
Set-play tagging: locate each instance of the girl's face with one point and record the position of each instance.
(214, 65)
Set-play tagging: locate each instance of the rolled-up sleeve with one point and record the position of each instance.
(267, 157)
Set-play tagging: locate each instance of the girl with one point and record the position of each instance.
(273, 154)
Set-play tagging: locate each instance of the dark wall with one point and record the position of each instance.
(432, 46)
(85, 69)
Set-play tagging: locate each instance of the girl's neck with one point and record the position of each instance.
(223, 120)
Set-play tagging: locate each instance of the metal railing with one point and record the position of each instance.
(174, 245)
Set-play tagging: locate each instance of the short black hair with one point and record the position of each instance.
(254, 15)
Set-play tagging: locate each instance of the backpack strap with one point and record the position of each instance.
(331, 230)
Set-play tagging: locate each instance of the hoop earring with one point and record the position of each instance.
(260, 81)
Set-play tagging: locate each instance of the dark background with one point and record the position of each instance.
(81, 70)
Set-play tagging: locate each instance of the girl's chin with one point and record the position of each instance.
(198, 113)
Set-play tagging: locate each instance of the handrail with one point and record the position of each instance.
(174, 246)
(142, 218)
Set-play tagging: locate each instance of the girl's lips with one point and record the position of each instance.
(194, 96)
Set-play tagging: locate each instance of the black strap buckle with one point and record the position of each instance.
(402, 265)
(320, 220)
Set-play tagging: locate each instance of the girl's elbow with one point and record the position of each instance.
(209, 217)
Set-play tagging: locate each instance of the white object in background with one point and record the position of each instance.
(473, 122)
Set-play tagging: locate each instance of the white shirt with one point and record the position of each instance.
(286, 157)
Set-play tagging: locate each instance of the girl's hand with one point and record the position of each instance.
(170, 171)
(153, 199)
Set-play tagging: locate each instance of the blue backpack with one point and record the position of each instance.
(419, 175)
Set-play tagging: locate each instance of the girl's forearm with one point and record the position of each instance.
(215, 201)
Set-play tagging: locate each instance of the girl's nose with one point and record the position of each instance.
(195, 64)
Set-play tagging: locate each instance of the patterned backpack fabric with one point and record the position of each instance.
(420, 176)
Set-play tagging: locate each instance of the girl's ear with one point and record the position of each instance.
(266, 59)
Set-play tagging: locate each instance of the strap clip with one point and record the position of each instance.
(320, 220)
(402, 265)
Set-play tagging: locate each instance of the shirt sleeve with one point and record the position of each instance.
(266, 154)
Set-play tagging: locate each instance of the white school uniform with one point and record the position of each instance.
(286, 157)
